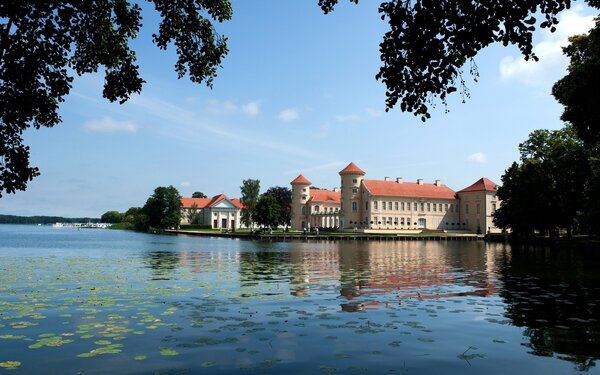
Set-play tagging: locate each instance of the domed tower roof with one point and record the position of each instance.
(300, 180)
(352, 169)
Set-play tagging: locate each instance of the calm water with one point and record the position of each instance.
(99, 301)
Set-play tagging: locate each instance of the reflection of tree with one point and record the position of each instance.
(162, 263)
(263, 266)
(554, 294)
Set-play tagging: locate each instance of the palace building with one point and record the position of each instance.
(393, 205)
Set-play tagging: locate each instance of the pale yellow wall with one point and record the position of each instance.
(351, 191)
(482, 220)
(300, 196)
(407, 217)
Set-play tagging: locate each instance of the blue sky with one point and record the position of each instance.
(296, 94)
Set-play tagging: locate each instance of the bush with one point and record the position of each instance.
(195, 226)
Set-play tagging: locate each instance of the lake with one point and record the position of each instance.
(97, 301)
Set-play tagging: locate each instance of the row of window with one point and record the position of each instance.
(400, 221)
(405, 206)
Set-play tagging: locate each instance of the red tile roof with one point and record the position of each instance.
(200, 202)
(237, 202)
(325, 196)
(352, 169)
(208, 202)
(408, 189)
(483, 184)
(300, 180)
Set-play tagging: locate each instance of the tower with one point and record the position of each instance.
(300, 195)
(351, 178)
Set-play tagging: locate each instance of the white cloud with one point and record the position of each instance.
(373, 112)
(185, 184)
(228, 107)
(107, 124)
(221, 107)
(289, 115)
(478, 157)
(552, 63)
(319, 167)
(347, 118)
(251, 108)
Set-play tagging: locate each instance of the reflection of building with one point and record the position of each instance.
(219, 212)
(376, 273)
(393, 204)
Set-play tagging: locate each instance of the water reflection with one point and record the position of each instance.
(162, 263)
(555, 295)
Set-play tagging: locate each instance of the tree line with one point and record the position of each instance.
(556, 183)
(13, 219)
(163, 210)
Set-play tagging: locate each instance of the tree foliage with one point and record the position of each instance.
(44, 44)
(267, 211)
(199, 194)
(430, 43)
(250, 189)
(283, 196)
(112, 217)
(193, 214)
(579, 90)
(162, 209)
(548, 189)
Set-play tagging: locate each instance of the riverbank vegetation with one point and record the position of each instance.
(556, 184)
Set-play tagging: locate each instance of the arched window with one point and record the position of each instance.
(354, 206)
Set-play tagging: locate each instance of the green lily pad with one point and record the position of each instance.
(10, 365)
(168, 351)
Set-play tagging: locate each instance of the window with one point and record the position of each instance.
(354, 180)
(382, 205)
(451, 208)
(434, 207)
(440, 207)
(354, 207)
(354, 190)
(396, 206)
(304, 190)
(446, 207)
(402, 206)
(367, 205)
(428, 207)
(390, 205)
(467, 208)
(316, 208)
(415, 206)
(374, 205)
(303, 210)
(422, 207)
(478, 206)
(493, 207)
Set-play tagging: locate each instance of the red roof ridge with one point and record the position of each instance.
(322, 195)
(408, 189)
(483, 184)
(352, 169)
(300, 180)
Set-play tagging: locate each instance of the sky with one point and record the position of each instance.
(296, 94)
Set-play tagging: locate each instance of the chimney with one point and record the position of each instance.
(420, 181)
(437, 183)
(399, 180)
(386, 179)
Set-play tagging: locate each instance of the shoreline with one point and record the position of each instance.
(336, 237)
